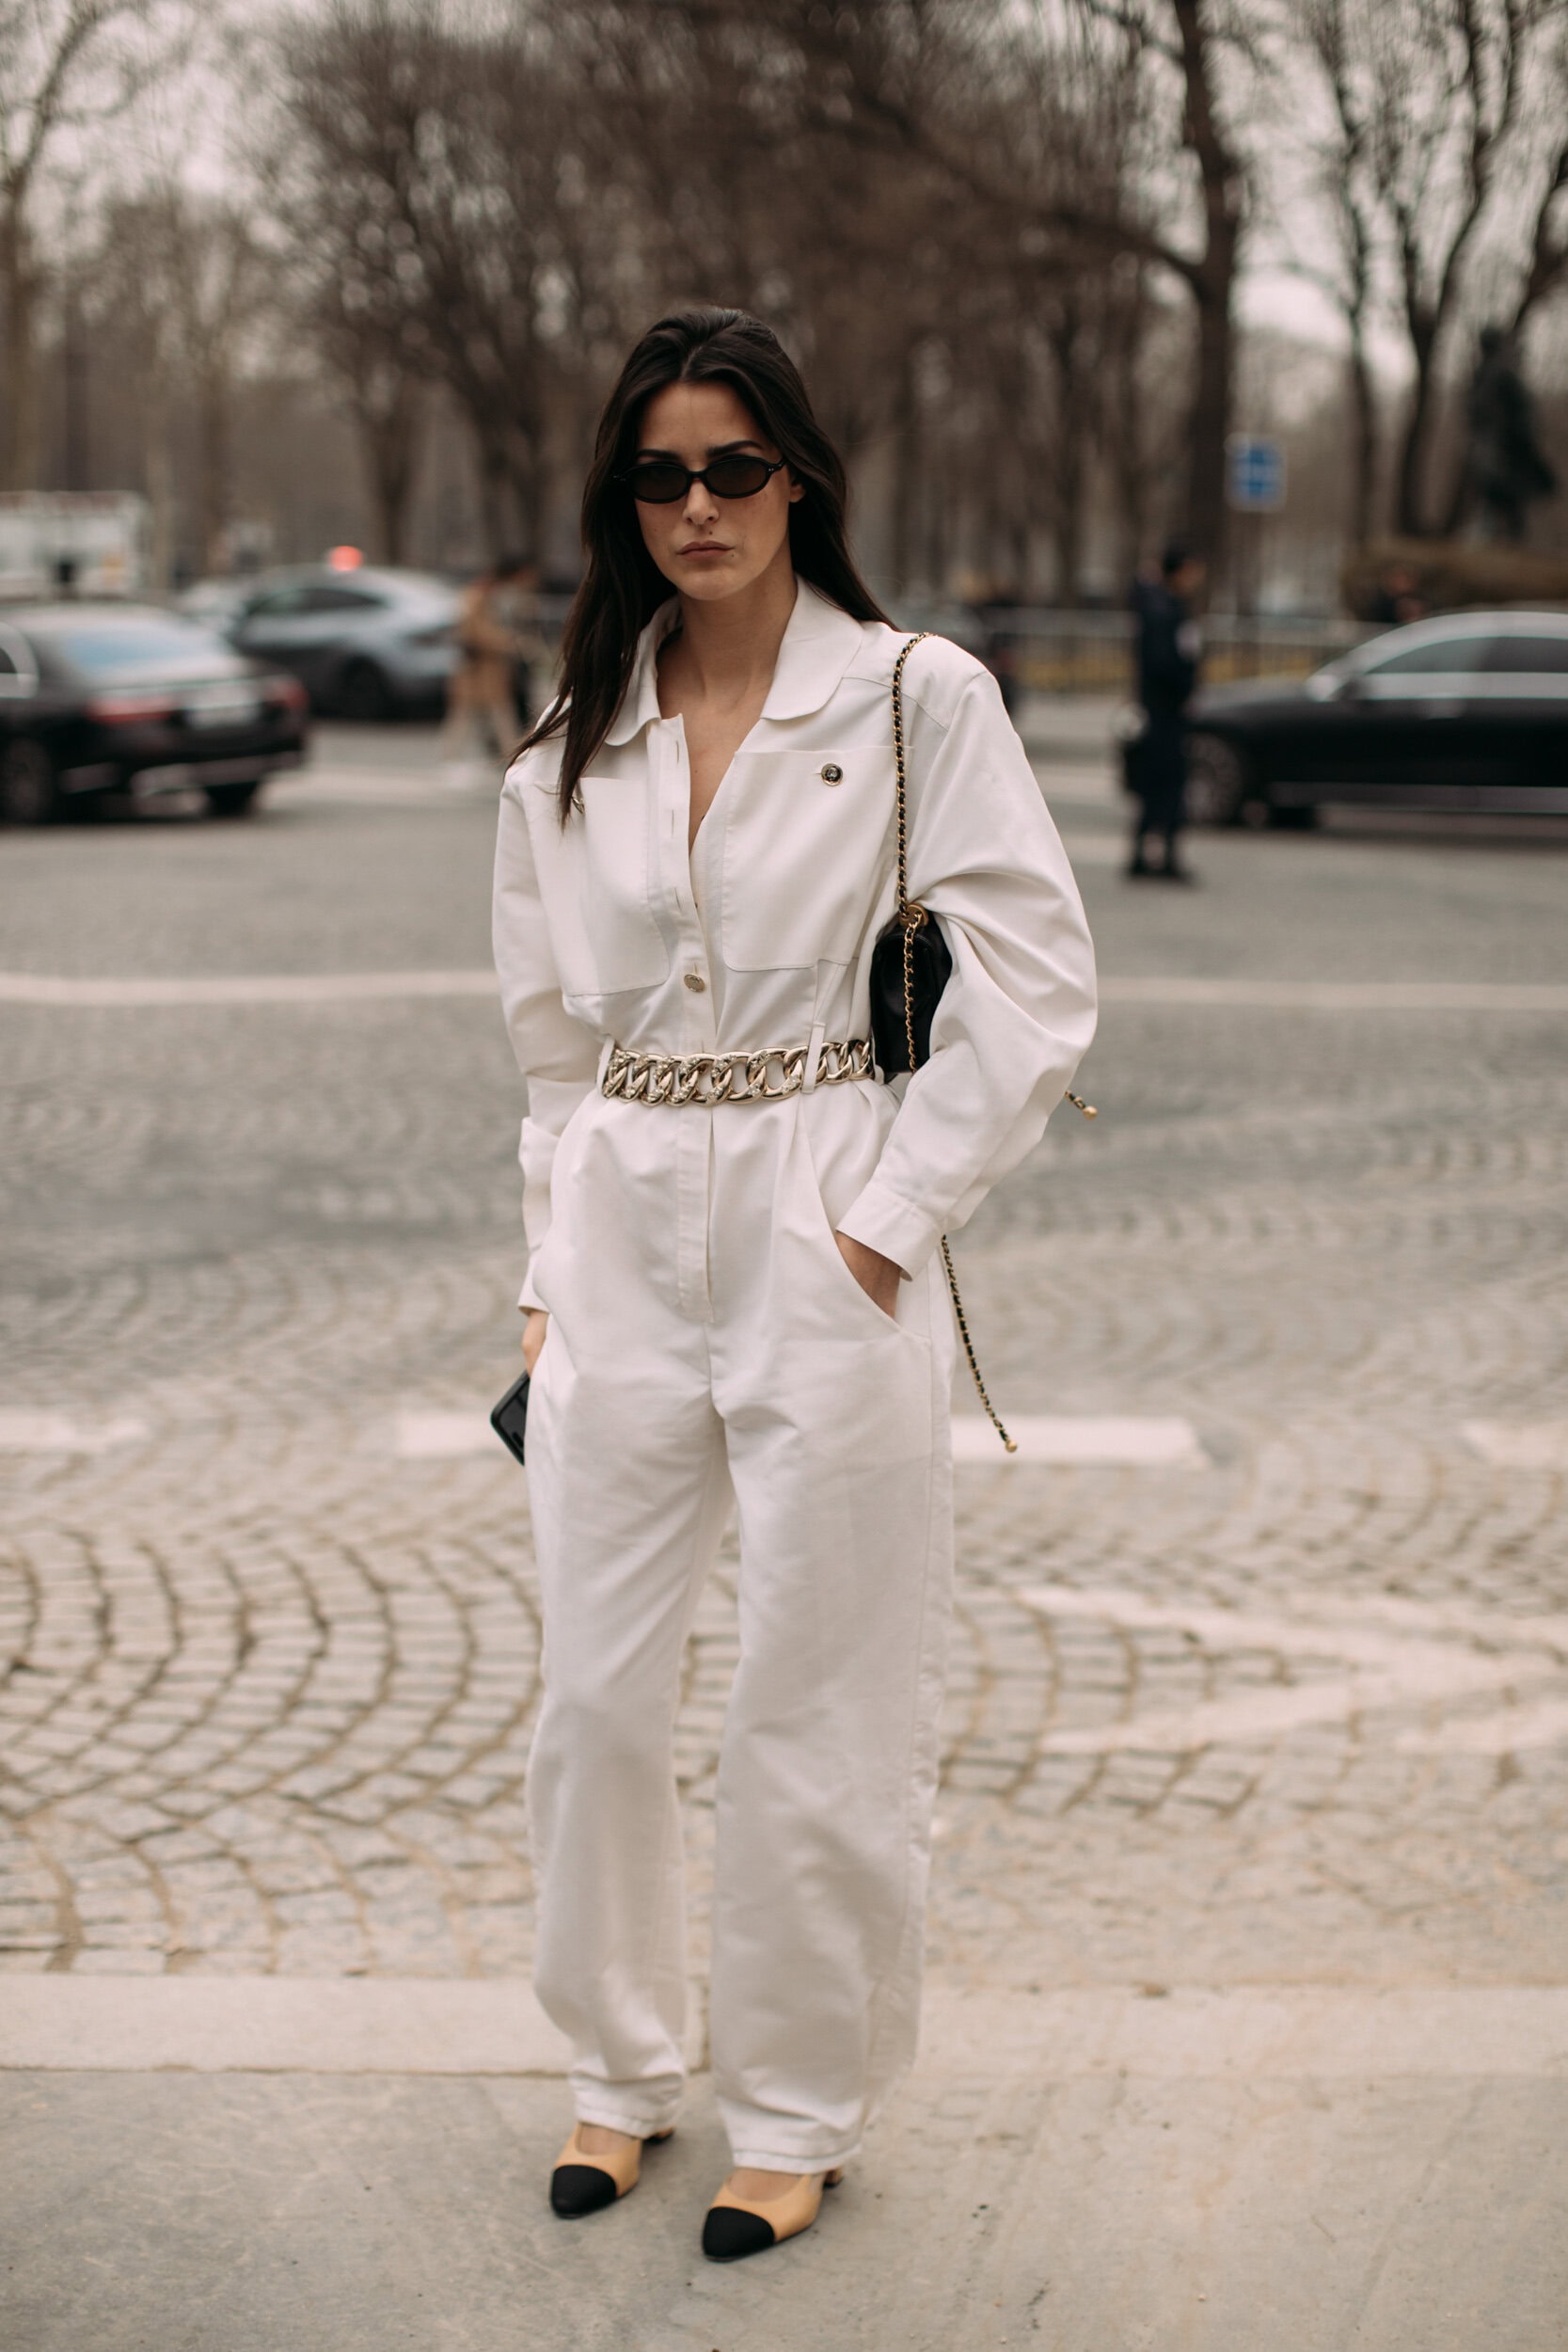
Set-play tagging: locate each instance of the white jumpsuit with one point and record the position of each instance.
(707, 1342)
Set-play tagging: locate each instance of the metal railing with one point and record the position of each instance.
(1067, 653)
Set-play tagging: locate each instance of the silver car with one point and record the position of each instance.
(369, 644)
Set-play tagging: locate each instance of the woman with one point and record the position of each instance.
(732, 1293)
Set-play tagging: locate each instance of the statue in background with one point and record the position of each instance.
(1506, 464)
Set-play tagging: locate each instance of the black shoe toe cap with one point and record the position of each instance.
(580, 2189)
(728, 2233)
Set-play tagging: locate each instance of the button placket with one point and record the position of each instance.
(690, 1135)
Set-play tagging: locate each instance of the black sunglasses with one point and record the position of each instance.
(660, 482)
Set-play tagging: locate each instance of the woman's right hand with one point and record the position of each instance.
(533, 1338)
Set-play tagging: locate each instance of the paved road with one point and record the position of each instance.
(1294, 1716)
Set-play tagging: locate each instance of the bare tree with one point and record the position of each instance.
(446, 163)
(1446, 84)
(1345, 191)
(995, 101)
(65, 65)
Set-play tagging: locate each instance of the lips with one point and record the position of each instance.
(704, 547)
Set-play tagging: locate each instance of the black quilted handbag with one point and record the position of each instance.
(911, 962)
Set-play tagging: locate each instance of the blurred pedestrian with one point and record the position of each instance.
(1397, 598)
(482, 708)
(1169, 648)
(736, 1290)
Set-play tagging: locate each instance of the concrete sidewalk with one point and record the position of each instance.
(1260, 2169)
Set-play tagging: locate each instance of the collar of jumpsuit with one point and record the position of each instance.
(817, 647)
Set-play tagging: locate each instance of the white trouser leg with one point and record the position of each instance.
(629, 1496)
(752, 1340)
(836, 1424)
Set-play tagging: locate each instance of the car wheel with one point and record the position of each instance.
(27, 793)
(1293, 817)
(363, 694)
(232, 799)
(1219, 781)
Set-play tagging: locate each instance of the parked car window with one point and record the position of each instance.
(107, 646)
(331, 600)
(1532, 655)
(1448, 657)
(278, 602)
(18, 670)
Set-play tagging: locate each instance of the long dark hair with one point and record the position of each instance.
(623, 587)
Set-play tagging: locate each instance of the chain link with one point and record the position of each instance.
(681, 1078)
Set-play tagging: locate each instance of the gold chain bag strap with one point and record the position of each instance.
(910, 917)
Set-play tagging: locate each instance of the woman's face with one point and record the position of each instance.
(706, 547)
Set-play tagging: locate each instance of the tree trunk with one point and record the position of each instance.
(495, 534)
(390, 434)
(158, 474)
(1064, 338)
(1410, 508)
(1121, 417)
(213, 498)
(19, 405)
(906, 476)
(1214, 394)
(1364, 441)
(1213, 285)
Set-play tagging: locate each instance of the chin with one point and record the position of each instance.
(703, 581)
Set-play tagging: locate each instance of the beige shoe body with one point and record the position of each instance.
(737, 2226)
(582, 2182)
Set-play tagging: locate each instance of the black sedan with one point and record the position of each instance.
(106, 698)
(1469, 711)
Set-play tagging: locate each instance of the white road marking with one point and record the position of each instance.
(1324, 1625)
(1409, 1665)
(1342, 995)
(279, 988)
(1541, 1725)
(1150, 1443)
(56, 1433)
(442, 1437)
(1520, 1445)
(1147, 1441)
(1173, 993)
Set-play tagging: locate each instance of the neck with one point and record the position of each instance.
(728, 644)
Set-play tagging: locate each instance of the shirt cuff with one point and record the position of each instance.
(528, 1297)
(883, 1222)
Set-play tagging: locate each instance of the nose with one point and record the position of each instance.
(702, 508)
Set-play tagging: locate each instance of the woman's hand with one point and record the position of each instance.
(878, 1277)
(533, 1338)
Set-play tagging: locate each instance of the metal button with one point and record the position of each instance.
(832, 774)
(695, 983)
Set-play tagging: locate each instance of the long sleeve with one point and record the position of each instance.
(557, 1054)
(1017, 1012)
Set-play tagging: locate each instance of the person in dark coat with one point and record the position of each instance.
(1169, 650)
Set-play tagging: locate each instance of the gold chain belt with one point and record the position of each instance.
(730, 1077)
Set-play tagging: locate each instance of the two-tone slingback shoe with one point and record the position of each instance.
(737, 2226)
(584, 2183)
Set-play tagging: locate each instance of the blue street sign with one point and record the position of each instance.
(1254, 474)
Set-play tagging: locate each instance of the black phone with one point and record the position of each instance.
(509, 1419)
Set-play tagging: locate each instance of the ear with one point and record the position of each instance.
(796, 490)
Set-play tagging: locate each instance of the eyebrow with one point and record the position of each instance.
(716, 448)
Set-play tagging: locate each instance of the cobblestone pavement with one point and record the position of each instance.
(1299, 1713)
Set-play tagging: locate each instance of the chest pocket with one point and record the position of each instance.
(807, 840)
(603, 926)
